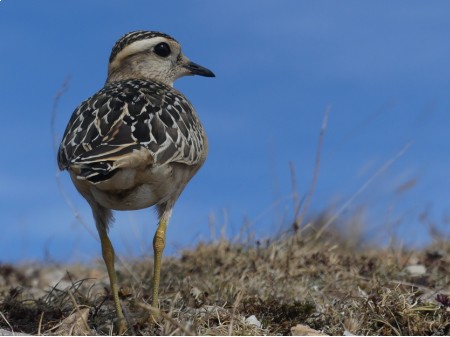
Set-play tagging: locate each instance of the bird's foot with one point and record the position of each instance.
(154, 317)
(121, 326)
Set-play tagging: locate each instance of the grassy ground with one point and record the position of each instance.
(324, 283)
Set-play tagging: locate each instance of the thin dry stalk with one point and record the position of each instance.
(128, 268)
(212, 226)
(6, 321)
(223, 229)
(67, 200)
(263, 214)
(40, 324)
(304, 209)
(172, 310)
(363, 124)
(77, 308)
(127, 318)
(295, 197)
(235, 306)
(58, 96)
(369, 181)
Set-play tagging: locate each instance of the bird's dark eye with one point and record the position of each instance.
(162, 49)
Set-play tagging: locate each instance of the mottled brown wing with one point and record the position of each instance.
(127, 116)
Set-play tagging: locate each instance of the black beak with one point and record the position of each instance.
(196, 69)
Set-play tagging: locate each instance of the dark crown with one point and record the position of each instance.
(131, 37)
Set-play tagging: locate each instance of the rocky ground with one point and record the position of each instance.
(297, 284)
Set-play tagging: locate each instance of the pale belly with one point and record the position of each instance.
(132, 189)
(139, 197)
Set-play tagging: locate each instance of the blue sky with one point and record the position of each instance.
(382, 66)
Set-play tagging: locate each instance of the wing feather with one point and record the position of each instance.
(129, 117)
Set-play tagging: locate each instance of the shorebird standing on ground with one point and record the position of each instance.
(137, 142)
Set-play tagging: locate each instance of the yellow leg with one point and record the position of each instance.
(158, 246)
(108, 256)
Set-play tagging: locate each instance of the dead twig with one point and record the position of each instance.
(381, 170)
(295, 198)
(299, 218)
(77, 308)
(40, 324)
(236, 303)
(62, 90)
(68, 201)
(6, 321)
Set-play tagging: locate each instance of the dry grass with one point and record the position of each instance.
(325, 283)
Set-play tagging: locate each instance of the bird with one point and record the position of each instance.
(137, 142)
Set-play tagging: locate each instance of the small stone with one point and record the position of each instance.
(416, 269)
(54, 279)
(304, 330)
(252, 320)
(4, 332)
(195, 292)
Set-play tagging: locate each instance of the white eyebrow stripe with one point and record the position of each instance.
(136, 47)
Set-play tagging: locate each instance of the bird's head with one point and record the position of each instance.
(151, 56)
